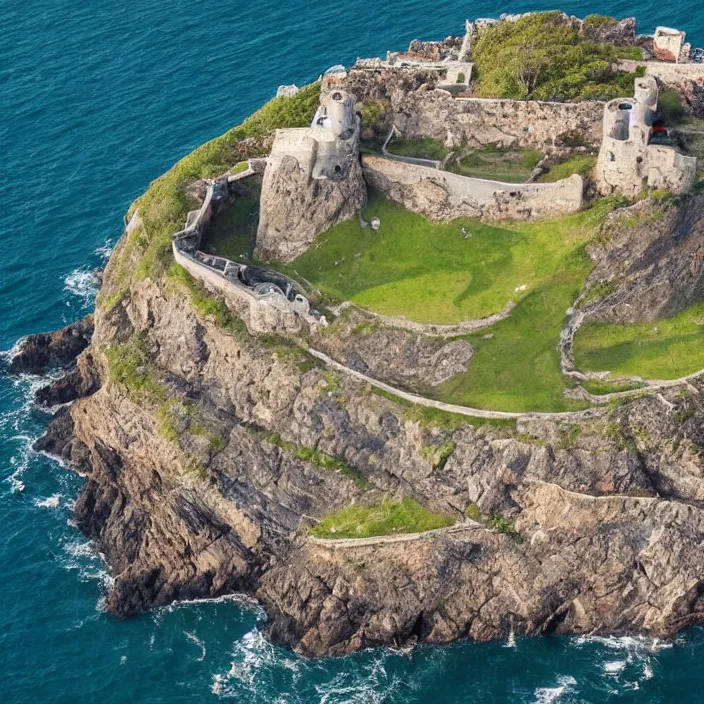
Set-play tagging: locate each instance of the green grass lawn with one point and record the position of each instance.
(383, 518)
(418, 148)
(581, 164)
(507, 165)
(518, 368)
(231, 232)
(666, 349)
(429, 272)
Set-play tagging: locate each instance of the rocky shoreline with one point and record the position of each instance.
(606, 524)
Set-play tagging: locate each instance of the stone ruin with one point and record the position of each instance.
(313, 179)
(634, 154)
(670, 45)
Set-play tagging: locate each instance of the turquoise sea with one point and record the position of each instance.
(97, 98)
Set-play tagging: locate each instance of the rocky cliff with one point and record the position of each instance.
(202, 452)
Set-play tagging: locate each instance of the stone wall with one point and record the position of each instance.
(441, 195)
(411, 102)
(686, 79)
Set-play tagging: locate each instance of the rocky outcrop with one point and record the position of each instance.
(296, 208)
(362, 343)
(649, 261)
(52, 350)
(591, 532)
(407, 99)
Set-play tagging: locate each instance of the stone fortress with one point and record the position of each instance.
(630, 158)
(315, 177)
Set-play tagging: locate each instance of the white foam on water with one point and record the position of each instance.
(105, 249)
(83, 283)
(242, 600)
(614, 667)
(53, 501)
(197, 641)
(549, 695)
(629, 643)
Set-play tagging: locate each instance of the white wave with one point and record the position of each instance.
(105, 249)
(629, 643)
(548, 695)
(53, 501)
(83, 283)
(614, 667)
(246, 602)
(197, 641)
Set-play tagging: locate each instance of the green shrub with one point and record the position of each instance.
(670, 107)
(599, 21)
(128, 365)
(541, 57)
(461, 78)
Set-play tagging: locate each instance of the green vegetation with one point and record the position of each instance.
(164, 205)
(670, 107)
(582, 164)
(418, 148)
(602, 387)
(436, 418)
(496, 164)
(439, 272)
(540, 57)
(232, 231)
(439, 454)
(208, 305)
(492, 521)
(435, 273)
(382, 518)
(310, 454)
(666, 349)
(599, 21)
(128, 365)
(599, 290)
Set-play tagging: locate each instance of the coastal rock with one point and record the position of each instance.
(296, 208)
(50, 350)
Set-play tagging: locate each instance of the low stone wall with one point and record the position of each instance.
(441, 195)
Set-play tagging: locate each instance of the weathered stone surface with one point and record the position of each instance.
(442, 195)
(44, 351)
(362, 343)
(295, 208)
(652, 258)
(609, 527)
(410, 101)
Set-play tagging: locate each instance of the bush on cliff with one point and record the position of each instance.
(542, 57)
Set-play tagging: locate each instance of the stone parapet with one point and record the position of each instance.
(441, 195)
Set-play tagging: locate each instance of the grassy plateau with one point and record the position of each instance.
(382, 518)
(666, 349)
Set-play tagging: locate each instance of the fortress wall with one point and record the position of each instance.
(262, 318)
(477, 122)
(686, 79)
(418, 110)
(441, 195)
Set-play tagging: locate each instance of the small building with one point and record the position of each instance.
(637, 154)
(670, 45)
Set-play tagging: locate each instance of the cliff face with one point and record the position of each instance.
(200, 481)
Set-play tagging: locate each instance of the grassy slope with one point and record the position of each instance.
(384, 518)
(518, 369)
(429, 272)
(509, 166)
(230, 231)
(666, 349)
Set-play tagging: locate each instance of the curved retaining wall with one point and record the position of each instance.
(441, 195)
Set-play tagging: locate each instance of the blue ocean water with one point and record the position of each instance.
(98, 98)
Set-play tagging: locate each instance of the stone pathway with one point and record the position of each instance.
(390, 539)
